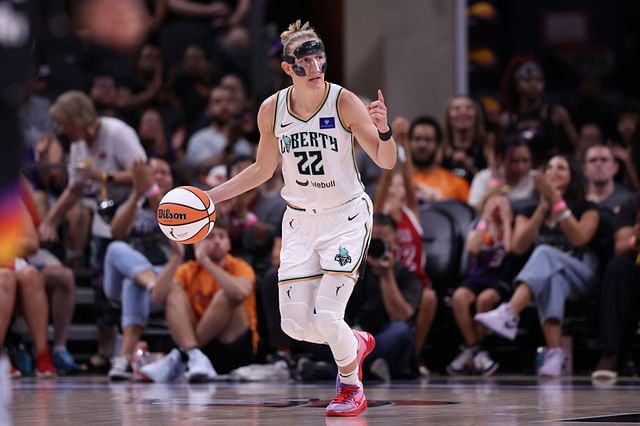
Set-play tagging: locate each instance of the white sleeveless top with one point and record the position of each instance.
(318, 158)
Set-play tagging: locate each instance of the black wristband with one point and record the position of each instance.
(386, 135)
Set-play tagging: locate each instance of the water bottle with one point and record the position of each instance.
(539, 360)
(24, 360)
(141, 357)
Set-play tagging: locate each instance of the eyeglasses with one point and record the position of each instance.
(598, 159)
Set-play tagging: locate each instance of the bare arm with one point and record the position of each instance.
(382, 190)
(186, 7)
(159, 13)
(266, 159)
(394, 303)
(164, 282)
(361, 122)
(68, 198)
(241, 11)
(580, 232)
(122, 221)
(526, 229)
(474, 241)
(236, 288)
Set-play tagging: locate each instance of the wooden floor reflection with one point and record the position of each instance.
(501, 401)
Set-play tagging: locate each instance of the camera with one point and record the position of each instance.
(378, 248)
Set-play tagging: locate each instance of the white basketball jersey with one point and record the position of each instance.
(318, 158)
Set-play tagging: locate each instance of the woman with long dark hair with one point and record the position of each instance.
(561, 266)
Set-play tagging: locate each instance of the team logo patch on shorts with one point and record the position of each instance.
(343, 256)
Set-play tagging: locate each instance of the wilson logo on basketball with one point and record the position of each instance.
(168, 214)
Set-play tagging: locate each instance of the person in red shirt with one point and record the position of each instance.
(396, 197)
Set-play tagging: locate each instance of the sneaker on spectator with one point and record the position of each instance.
(63, 361)
(380, 368)
(167, 369)
(483, 364)
(423, 371)
(199, 368)
(500, 320)
(350, 401)
(15, 373)
(44, 366)
(554, 359)
(120, 369)
(463, 363)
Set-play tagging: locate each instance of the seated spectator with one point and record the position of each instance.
(600, 168)
(486, 284)
(561, 266)
(433, 181)
(133, 264)
(620, 292)
(60, 283)
(212, 310)
(218, 142)
(385, 303)
(22, 282)
(396, 197)
(102, 153)
(513, 174)
(547, 126)
(467, 148)
(626, 147)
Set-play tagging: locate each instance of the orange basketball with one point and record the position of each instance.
(186, 214)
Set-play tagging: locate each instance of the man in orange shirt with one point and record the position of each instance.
(433, 182)
(211, 306)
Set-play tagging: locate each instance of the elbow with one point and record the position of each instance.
(518, 249)
(117, 234)
(407, 314)
(387, 163)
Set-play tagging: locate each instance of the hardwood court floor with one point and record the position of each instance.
(441, 400)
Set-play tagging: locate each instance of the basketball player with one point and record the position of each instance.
(327, 225)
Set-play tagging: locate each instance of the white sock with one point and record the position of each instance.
(350, 378)
(59, 348)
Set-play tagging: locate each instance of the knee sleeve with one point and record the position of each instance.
(295, 319)
(338, 336)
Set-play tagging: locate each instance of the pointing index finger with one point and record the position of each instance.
(380, 97)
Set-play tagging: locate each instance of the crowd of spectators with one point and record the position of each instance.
(554, 199)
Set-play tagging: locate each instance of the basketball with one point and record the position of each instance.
(186, 214)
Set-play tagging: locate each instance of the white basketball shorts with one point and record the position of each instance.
(325, 241)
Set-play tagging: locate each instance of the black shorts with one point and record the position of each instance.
(229, 356)
(477, 286)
